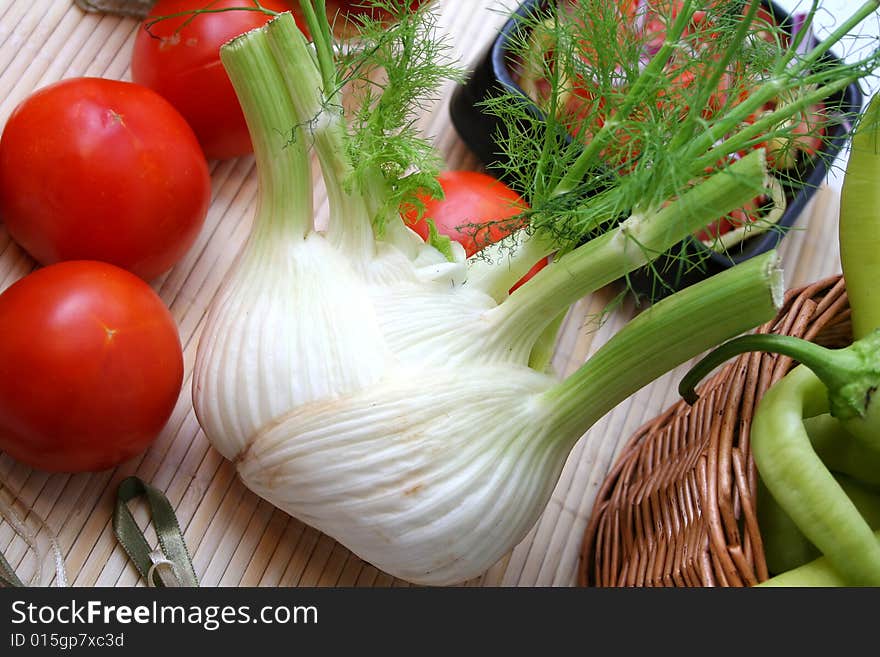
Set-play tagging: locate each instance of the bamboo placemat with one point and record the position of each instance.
(237, 539)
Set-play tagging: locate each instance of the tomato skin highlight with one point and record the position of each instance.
(102, 170)
(184, 67)
(91, 367)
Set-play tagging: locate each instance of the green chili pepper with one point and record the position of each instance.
(785, 547)
(856, 469)
(858, 231)
(841, 452)
(819, 571)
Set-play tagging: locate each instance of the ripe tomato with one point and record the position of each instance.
(102, 170)
(473, 203)
(183, 65)
(90, 367)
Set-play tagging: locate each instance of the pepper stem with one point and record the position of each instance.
(850, 375)
(816, 358)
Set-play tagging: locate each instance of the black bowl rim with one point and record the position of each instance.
(852, 99)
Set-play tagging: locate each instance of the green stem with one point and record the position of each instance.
(801, 483)
(762, 128)
(833, 368)
(545, 346)
(850, 375)
(792, 50)
(285, 202)
(635, 96)
(635, 242)
(350, 226)
(859, 232)
(853, 72)
(316, 20)
(738, 114)
(664, 336)
(299, 71)
(551, 133)
(811, 58)
(771, 88)
(711, 85)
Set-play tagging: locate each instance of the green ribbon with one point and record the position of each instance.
(8, 578)
(174, 567)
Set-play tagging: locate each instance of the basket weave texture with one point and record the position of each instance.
(679, 506)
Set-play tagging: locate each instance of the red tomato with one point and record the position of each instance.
(102, 170)
(90, 367)
(183, 65)
(473, 204)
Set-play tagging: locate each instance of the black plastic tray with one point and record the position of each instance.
(491, 76)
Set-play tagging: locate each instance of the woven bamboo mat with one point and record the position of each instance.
(237, 539)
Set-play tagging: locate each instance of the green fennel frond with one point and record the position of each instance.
(393, 73)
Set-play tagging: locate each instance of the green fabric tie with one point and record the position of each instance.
(170, 567)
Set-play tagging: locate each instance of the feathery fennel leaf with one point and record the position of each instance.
(394, 72)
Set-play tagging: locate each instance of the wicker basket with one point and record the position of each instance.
(678, 508)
